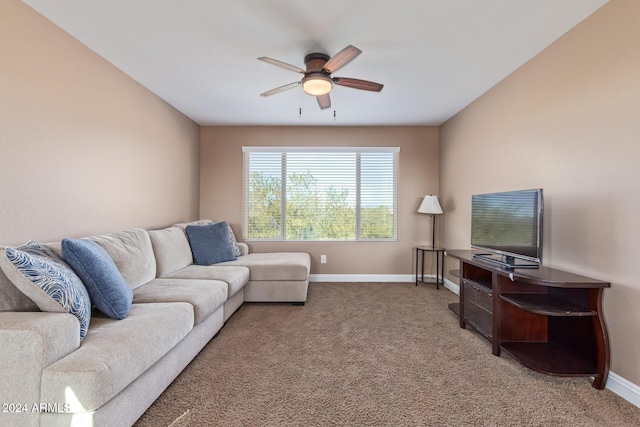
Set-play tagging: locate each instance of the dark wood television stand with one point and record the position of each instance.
(549, 320)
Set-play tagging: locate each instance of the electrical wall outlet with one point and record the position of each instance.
(323, 259)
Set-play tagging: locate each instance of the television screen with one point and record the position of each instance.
(508, 223)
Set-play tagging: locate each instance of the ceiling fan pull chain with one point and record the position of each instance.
(334, 115)
(300, 112)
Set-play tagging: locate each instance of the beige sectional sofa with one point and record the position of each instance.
(49, 377)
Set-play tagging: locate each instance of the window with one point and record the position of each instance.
(305, 193)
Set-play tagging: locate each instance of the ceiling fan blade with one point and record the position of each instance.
(324, 101)
(342, 58)
(281, 64)
(358, 84)
(280, 89)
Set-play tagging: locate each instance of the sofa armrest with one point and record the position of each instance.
(244, 248)
(31, 341)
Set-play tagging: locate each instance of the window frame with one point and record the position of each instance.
(284, 150)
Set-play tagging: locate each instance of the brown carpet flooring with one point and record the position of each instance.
(370, 354)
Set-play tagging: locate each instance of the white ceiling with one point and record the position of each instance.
(433, 56)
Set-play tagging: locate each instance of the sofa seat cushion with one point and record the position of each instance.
(204, 295)
(114, 353)
(235, 276)
(278, 266)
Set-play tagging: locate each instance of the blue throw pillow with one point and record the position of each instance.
(57, 288)
(232, 239)
(108, 290)
(210, 244)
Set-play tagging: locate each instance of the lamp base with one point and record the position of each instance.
(433, 231)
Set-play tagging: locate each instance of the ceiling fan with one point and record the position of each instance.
(317, 80)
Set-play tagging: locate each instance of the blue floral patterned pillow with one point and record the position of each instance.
(57, 287)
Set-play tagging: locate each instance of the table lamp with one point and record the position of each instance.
(431, 206)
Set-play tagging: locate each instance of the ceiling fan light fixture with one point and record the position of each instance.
(317, 84)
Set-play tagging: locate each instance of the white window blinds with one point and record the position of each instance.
(305, 193)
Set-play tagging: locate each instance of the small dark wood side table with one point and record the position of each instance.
(439, 279)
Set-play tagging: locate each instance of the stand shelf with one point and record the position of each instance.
(550, 359)
(549, 320)
(547, 305)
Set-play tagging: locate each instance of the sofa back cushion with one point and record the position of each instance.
(171, 248)
(11, 298)
(183, 225)
(132, 253)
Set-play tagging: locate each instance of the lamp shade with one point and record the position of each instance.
(430, 205)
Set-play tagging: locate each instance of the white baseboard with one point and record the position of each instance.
(624, 388)
(453, 287)
(395, 278)
(362, 277)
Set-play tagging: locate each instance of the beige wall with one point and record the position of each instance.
(84, 149)
(221, 189)
(568, 121)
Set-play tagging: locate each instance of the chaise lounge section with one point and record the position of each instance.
(109, 378)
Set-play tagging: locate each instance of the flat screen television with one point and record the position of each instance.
(508, 225)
